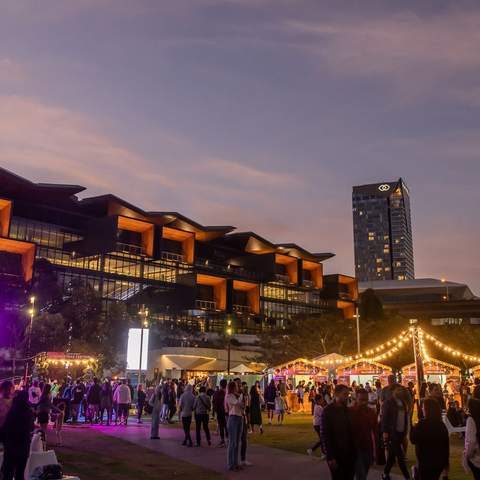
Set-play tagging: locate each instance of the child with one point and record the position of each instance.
(57, 418)
(279, 408)
(317, 415)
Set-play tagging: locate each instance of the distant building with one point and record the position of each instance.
(382, 231)
(435, 301)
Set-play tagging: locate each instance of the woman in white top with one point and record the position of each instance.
(234, 408)
(472, 439)
(317, 419)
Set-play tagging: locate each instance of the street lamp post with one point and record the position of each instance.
(229, 343)
(143, 324)
(446, 285)
(29, 336)
(357, 317)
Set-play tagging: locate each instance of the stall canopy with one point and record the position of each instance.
(330, 359)
(433, 367)
(299, 367)
(362, 371)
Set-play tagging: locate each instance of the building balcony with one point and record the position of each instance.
(242, 309)
(308, 283)
(282, 278)
(207, 305)
(173, 257)
(131, 249)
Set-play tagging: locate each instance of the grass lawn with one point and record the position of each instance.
(297, 434)
(94, 456)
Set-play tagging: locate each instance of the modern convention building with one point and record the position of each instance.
(382, 232)
(438, 302)
(188, 275)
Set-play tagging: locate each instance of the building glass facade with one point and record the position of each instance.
(382, 231)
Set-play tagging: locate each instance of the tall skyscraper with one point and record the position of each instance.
(382, 232)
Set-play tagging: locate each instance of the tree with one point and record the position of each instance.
(308, 336)
(370, 308)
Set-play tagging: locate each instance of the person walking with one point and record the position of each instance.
(364, 429)
(336, 436)
(141, 397)
(93, 401)
(270, 394)
(185, 409)
(44, 408)
(317, 418)
(234, 408)
(256, 400)
(431, 440)
(123, 398)
(106, 401)
(16, 433)
(6, 398)
(218, 402)
(76, 394)
(245, 428)
(394, 426)
(471, 455)
(156, 403)
(34, 393)
(280, 407)
(202, 407)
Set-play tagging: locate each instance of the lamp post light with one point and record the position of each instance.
(31, 312)
(357, 317)
(143, 324)
(229, 332)
(445, 297)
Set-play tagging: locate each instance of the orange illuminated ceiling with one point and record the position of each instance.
(219, 285)
(209, 279)
(352, 284)
(187, 239)
(316, 272)
(253, 294)
(256, 245)
(145, 228)
(5, 212)
(348, 309)
(291, 264)
(25, 249)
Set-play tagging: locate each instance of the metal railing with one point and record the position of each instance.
(205, 305)
(130, 248)
(174, 257)
(282, 278)
(241, 309)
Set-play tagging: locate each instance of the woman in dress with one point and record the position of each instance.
(256, 400)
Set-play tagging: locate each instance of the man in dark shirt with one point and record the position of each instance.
(77, 394)
(219, 406)
(364, 428)
(336, 435)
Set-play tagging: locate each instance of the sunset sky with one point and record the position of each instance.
(256, 113)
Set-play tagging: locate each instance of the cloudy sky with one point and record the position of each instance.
(256, 113)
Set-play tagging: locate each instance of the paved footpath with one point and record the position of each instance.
(268, 463)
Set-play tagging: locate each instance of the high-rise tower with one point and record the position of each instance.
(382, 232)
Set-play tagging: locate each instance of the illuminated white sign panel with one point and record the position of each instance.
(384, 187)
(133, 348)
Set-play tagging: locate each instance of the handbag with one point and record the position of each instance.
(47, 472)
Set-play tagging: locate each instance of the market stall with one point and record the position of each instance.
(435, 371)
(363, 371)
(475, 371)
(58, 365)
(293, 373)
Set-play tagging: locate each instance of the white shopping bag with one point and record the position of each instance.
(39, 459)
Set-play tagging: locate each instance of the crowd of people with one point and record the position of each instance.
(354, 426)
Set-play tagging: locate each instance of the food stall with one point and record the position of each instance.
(58, 365)
(435, 371)
(293, 372)
(475, 371)
(363, 371)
